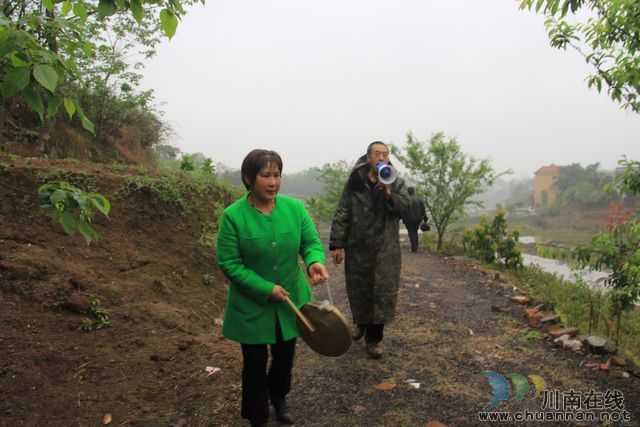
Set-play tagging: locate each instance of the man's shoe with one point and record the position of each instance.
(373, 350)
(283, 412)
(358, 332)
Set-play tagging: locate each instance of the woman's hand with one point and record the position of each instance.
(318, 273)
(278, 293)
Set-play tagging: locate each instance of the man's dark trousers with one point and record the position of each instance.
(412, 228)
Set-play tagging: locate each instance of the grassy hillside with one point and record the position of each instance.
(152, 270)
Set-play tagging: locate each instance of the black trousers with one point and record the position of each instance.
(373, 333)
(257, 384)
(412, 229)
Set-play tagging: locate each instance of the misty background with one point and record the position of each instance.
(318, 80)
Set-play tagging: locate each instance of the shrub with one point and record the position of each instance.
(492, 243)
(73, 207)
(207, 167)
(187, 164)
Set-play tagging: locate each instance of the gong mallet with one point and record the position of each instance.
(302, 317)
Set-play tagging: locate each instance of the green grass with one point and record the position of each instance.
(577, 305)
(558, 229)
(531, 335)
(580, 307)
(504, 318)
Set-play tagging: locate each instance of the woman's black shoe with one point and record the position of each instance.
(283, 412)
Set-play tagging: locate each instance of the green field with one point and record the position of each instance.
(571, 227)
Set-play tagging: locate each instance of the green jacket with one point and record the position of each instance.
(256, 252)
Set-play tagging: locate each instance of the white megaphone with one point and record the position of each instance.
(387, 174)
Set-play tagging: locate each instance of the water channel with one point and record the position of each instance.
(594, 279)
(563, 270)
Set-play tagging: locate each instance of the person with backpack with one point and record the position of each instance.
(414, 216)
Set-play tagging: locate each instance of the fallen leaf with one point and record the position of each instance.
(385, 386)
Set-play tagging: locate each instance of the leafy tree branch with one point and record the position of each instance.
(608, 39)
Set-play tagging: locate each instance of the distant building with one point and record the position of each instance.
(544, 189)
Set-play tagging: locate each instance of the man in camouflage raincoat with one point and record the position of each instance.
(366, 227)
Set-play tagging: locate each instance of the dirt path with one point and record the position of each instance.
(444, 337)
(164, 295)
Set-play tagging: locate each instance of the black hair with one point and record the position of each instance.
(411, 191)
(254, 162)
(370, 147)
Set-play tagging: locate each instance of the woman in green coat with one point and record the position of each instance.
(259, 239)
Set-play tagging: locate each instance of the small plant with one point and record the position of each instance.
(562, 254)
(118, 167)
(100, 317)
(207, 279)
(551, 252)
(503, 318)
(207, 167)
(491, 242)
(532, 335)
(541, 251)
(57, 295)
(208, 235)
(187, 164)
(59, 302)
(73, 207)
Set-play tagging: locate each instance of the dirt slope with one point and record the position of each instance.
(148, 270)
(148, 367)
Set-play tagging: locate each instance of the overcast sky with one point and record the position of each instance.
(317, 80)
